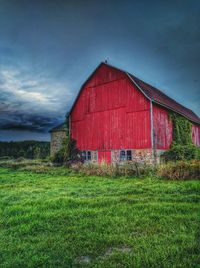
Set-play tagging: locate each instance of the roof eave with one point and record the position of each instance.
(161, 104)
(138, 86)
(169, 108)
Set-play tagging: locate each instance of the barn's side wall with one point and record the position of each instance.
(196, 134)
(162, 128)
(111, 114)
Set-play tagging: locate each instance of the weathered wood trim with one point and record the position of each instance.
(69, 125)
(137, 86)
(152, 131)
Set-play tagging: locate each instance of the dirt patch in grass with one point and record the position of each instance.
(124, 249)
(83, 260)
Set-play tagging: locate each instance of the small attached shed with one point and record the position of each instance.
(58, 133)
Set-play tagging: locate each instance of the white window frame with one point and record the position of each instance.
(88, 155)
(125, 156)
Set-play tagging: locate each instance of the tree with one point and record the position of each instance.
(37, 152)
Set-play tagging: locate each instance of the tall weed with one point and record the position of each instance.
(180, 170)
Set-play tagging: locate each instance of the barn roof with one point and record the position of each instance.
(162, 99)
(153, 94)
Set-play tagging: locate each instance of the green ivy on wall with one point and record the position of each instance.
(182, 130)
(182, 145)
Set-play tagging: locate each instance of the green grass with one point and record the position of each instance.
(60, 219)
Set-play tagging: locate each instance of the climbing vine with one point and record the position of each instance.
(182, 130)
(182, 145)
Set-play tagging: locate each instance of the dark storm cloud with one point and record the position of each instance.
(29, 123)
(48, 48)
(25, 104)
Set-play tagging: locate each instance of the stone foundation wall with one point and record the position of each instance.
(158, 155)
(94, 156)
(56, 141)
(115, 156)
(138, 155)
(143, 156)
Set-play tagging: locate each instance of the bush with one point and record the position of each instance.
(4, 158)
(182, 152)
(68, 152)
(37, 168)
(58, 157)
(180, 170)
(126, 169)
(21, 163)
(20, 159)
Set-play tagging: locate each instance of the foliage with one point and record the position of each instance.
(180, 170)
(176, 170)
(58, 157)
(182, 146)
(4, 158)
(182, 130)
(68, 151)
(20, 163)
(127, 169)
(37, 166)
(180, 152)
(66, 220)
(26, 149)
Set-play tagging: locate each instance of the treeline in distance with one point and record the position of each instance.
(26, 149)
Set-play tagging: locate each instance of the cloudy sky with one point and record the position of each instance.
(48, 48)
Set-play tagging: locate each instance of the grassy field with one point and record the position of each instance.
(60, 219)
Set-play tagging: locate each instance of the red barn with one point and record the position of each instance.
(116, 116)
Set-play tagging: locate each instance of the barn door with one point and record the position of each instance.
(104, 156)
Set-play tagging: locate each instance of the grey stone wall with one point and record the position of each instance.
(139, 155)
(143, 156)
(158, 156)
(115, 156)
(94, 156)
(56, 141)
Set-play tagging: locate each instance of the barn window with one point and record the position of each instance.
(129, 155)
(83, 155)
(125, 155)
(122, 155)
(86, 155)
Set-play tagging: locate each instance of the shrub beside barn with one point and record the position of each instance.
(117, 117)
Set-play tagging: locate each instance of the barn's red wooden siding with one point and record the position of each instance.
(104, 156)
(111, 113)
(196, 134)
(162, 128)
